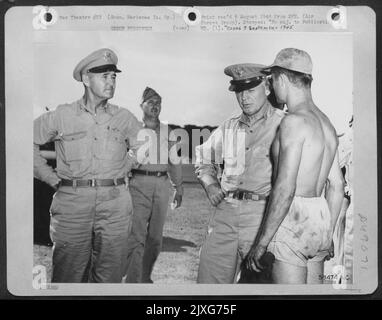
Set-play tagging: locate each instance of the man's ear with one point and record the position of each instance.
(283, 78)
(85, 79)
(267, 87)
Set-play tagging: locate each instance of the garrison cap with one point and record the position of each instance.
(292, 59)
(149, 93)
(99, 61)
(245, 76)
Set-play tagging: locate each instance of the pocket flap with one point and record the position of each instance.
(73, 136)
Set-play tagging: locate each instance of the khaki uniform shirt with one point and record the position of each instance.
(157, 154)
(345, 151)
(244, 148)
(88, 146)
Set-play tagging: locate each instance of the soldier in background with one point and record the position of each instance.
(346, 161)
(150, 193)
(344, 231)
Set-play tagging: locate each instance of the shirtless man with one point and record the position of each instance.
(308, 185)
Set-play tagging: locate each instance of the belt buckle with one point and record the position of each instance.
(255, 197)
(159, 174)
(93, 182)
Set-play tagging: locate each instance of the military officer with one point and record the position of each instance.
(91, 210)
(243, 144)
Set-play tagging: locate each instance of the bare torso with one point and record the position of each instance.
(318, 151)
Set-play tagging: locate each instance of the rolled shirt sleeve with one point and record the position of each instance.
(208, 156)
(133, 126)
(44, 130)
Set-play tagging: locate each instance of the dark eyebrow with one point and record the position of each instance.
(107, 73)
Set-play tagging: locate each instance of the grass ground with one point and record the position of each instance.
(182, 237)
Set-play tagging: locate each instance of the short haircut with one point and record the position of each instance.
(297, 78)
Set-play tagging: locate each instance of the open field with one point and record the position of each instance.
(182, 237)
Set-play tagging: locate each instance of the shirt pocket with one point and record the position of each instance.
(261, 152)
(234, 159)
(115, 147)
(74, 145)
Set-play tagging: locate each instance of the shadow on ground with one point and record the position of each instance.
(176, 245)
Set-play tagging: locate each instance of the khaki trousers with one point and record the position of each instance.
(230, 235)
(89, 229)
(150, 197)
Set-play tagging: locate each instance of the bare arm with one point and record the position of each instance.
(335, 191)
(176, 178)
(289, 158)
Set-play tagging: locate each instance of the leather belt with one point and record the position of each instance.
(149, 173)
(92, 182)
(246, 195)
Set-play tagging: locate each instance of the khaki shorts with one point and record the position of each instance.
(305, 233)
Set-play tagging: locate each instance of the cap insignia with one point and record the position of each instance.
(239, 71)
(107, 56)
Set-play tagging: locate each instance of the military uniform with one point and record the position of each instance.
(149, 188)
(346, 160)
(244, 148)
(343, 235)
(91, 210)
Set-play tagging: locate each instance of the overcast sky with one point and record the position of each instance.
(187, 70)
